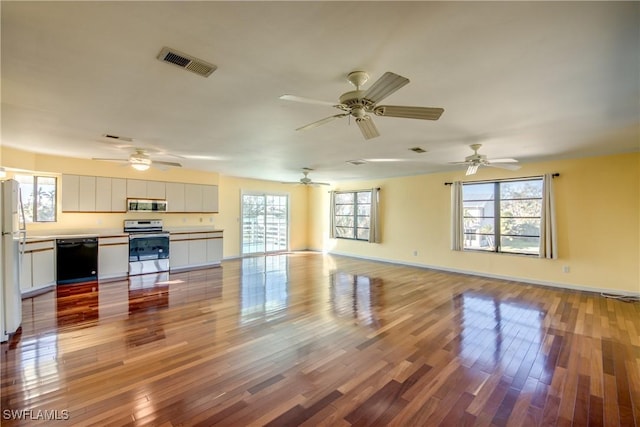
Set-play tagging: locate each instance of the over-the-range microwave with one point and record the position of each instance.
(146, 205)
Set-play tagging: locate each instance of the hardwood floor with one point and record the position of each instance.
(316, 340)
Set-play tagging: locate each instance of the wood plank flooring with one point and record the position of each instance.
(317, 340)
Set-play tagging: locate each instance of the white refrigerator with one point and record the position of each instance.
(10, 254)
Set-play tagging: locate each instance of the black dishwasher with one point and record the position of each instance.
(76, 260)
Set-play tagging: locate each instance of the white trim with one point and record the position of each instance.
(493, 276)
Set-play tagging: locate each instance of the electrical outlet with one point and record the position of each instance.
(565, 269)
(415, 253)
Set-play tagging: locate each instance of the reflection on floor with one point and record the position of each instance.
(313, 339)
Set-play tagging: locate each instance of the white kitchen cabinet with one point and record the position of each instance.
(214, 248)
(38, 266)
(136, 189)
(140, 189)
(210, 198)
(156, 190)
(175, 196)
(118, 195)
(193, 198)
(196, 249)
(113, 257)
(201, 198)
(70, 196)
(87, 194)
(103, 194)
(178, 253)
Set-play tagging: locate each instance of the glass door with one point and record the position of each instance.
(265, 223)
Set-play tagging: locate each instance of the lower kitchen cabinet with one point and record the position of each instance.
(113, 257)
(191, 250)
(37, 270)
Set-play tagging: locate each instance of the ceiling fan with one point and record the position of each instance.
(362, 103)
(305, 180)
(141, 161)
(476, 160)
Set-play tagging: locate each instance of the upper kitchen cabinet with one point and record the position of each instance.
(93, 194)
(78, 193)
(201, 198)
(175, 196)
(140, 189)
(111, 194)
(103, 194)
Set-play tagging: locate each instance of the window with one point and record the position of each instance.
(38, 197)
(503, 216)
(265, 223)
(352, 215)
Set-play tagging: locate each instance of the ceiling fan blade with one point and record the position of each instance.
(110, 160)
(322, 121)
(424, 113)
(367, 127)
(319, 183)
(384, 86)
(174, 164)
(472, 169)
(307, 100)
(508, 166)
(502, 160)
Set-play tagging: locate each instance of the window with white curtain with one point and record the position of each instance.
(352, 214)
(503, 216)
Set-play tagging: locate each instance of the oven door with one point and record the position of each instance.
(148, 253)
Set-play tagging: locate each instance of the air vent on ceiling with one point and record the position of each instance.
(417, 150)
(187, 62)
(119, 138)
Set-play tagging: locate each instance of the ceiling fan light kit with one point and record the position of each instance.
(360, 104)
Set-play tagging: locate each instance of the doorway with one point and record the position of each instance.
(265, 223)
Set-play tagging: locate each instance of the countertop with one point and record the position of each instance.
(75, 234)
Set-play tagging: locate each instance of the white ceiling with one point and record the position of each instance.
(529, 80)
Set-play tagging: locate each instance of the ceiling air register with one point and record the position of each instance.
(187, 62)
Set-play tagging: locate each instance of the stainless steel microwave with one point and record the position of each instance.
(146, 205)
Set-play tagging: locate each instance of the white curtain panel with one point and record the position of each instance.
(374, 217)
(548, 234)
(457, 226)
(332, 214)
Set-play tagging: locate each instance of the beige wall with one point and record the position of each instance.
(598, 218)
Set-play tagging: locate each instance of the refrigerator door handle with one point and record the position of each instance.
(23, 222)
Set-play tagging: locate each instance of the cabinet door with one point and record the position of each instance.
(156, 190)
(118, 195)
(43, 268)
(113, 260)
(193, 197)
(197, 251)
(210, 198)
(70, 193)
(136, 189)
(175, 196)
(178, 254)
(87, 202)
(26, 278)
(214, 250)
(103, 194)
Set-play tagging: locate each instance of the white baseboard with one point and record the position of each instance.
(495, 276)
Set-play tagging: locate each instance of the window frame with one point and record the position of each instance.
(355, 215)
(35, 206)
(498, 218)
